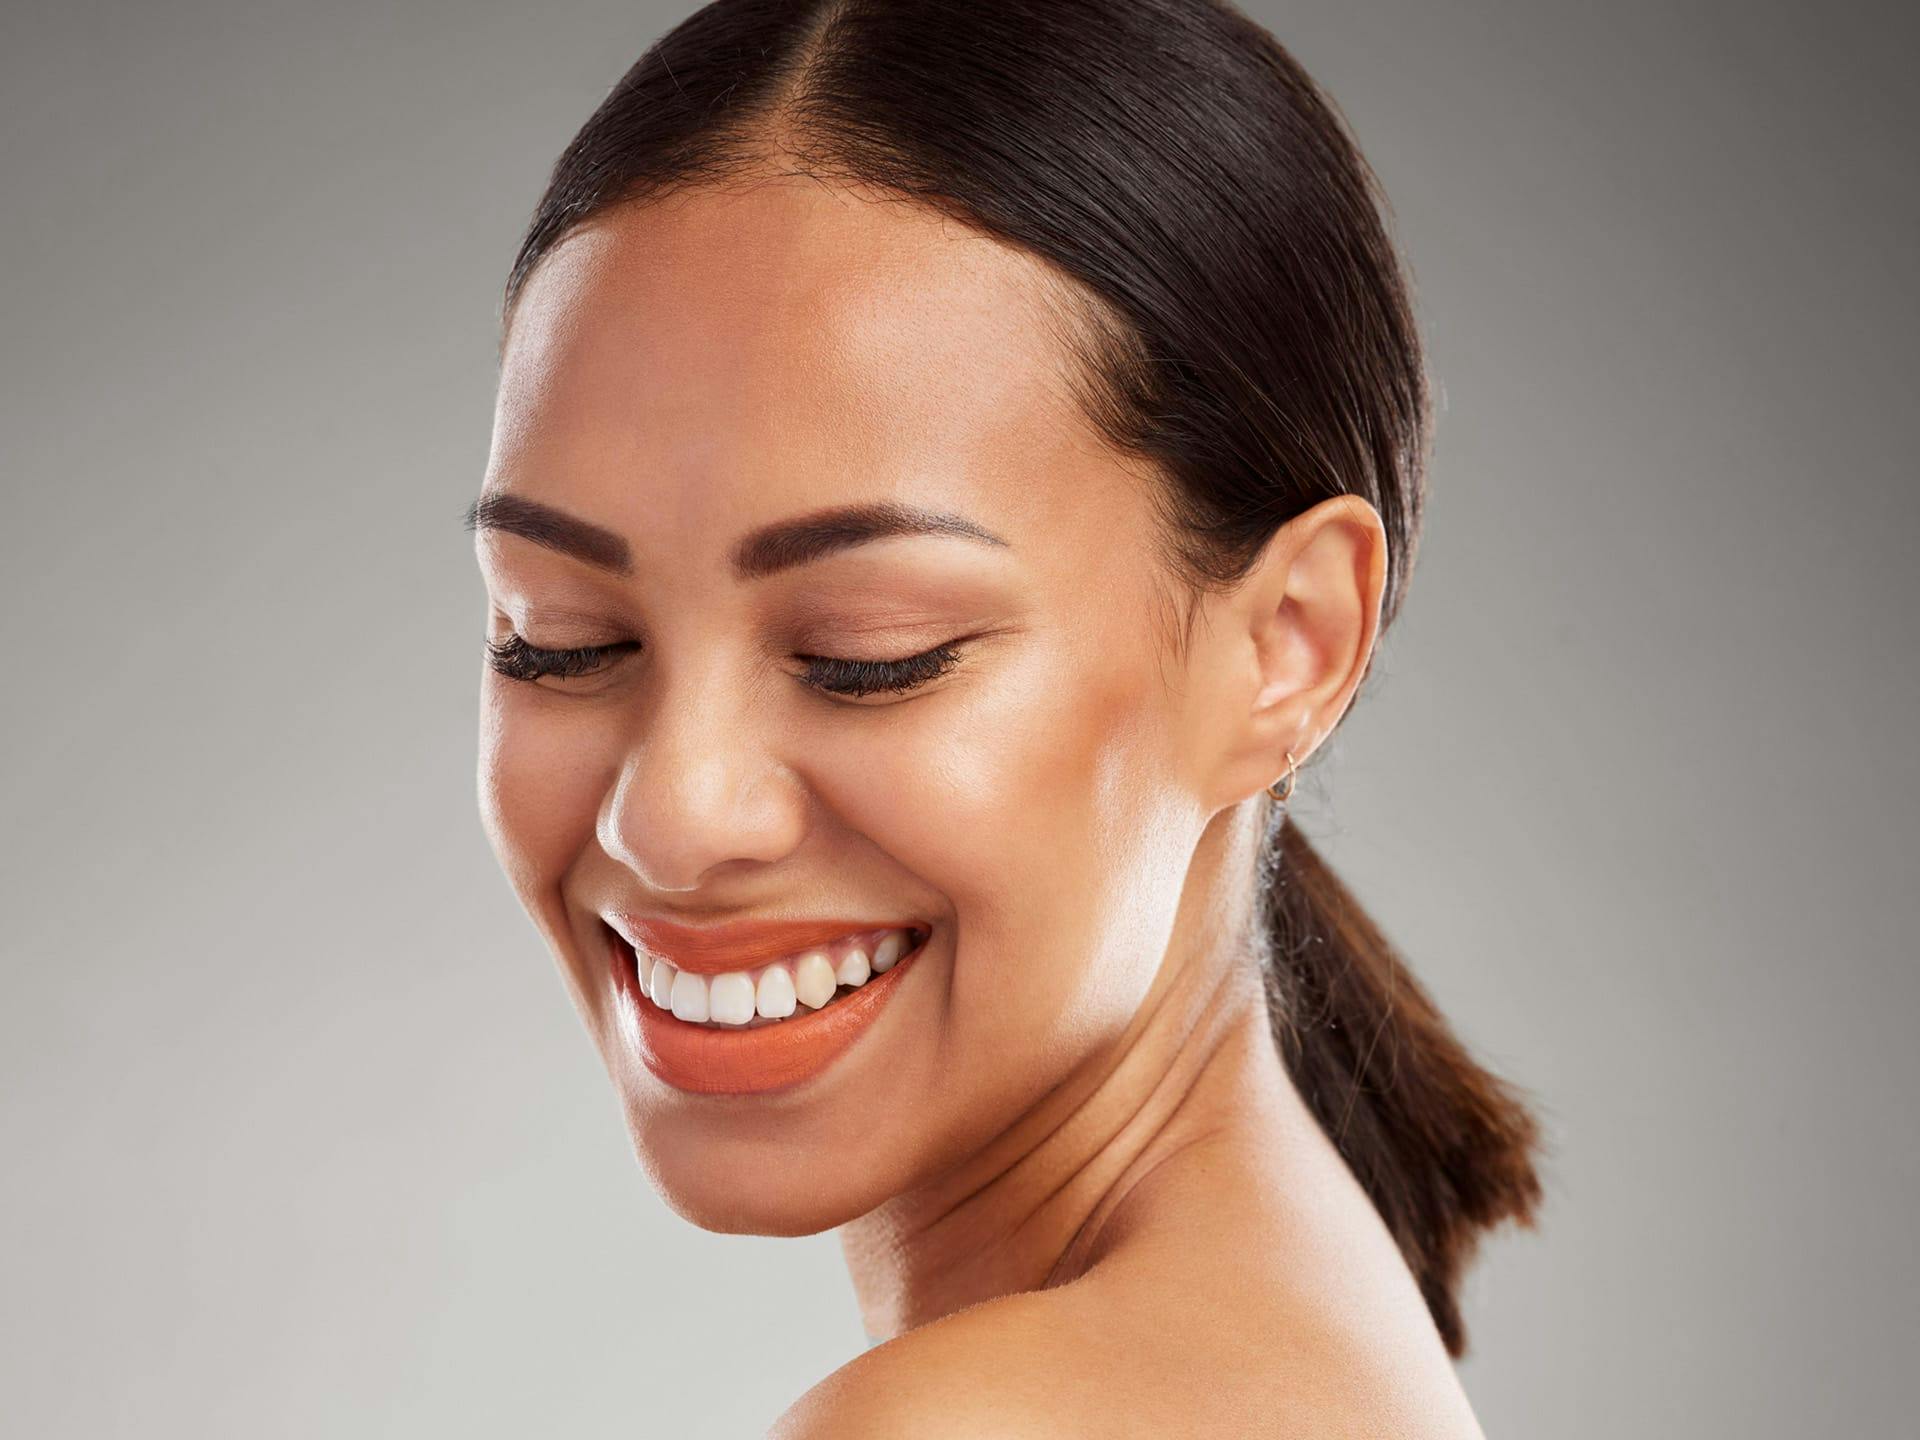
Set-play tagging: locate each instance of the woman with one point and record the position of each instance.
(952, 466)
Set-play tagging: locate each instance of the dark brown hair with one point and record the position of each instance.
(1244, 326)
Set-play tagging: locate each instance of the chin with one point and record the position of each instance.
(748, 1183)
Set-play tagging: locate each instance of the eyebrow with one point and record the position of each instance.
(555, 529)
(783, 545)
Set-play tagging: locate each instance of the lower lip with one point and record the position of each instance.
(709, 1060)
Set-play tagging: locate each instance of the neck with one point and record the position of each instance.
(1035, 1207)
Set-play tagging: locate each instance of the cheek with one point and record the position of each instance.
(542, 774)
(1037, 806)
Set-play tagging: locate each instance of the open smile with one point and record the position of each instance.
(763, 1028)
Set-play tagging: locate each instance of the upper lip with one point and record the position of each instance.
(737, 944)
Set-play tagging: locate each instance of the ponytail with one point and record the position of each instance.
(1443, 1147)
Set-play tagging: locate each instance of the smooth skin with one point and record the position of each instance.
(1076, 1191)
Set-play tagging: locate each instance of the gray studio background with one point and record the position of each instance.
(300, 1135)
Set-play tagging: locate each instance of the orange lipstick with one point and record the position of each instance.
(710, 1059)
(739, 944)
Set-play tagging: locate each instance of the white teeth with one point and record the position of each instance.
(774, 991)
(730, 998)
(689, 996)
(853, 968)
(775, 998)
(888, 951)
(813, 979)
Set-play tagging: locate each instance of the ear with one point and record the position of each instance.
(1299, 633)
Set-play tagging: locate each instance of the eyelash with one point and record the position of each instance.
(514, 658)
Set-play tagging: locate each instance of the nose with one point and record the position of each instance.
(700, 786)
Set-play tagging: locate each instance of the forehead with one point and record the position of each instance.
(698, 364)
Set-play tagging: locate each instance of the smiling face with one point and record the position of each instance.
(682, 375)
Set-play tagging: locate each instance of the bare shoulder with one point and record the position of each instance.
(983, 1372)
(1121, 1358)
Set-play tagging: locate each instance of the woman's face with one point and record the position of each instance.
(680, 375)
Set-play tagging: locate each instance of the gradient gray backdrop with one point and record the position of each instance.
(301, 1137)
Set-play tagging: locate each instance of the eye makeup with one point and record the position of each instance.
(515, 659)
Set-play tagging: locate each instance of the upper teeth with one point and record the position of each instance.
(773, 991)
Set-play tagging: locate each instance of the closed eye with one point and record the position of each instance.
(515, 659)
(868, 677)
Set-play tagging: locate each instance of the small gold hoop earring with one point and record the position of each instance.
(1286, 781)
